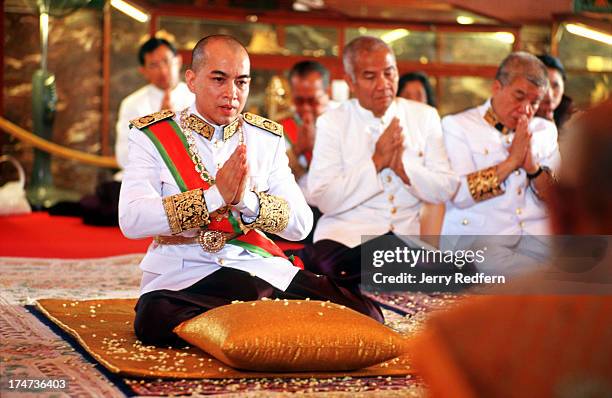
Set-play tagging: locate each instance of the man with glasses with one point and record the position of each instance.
(309, 83)
(505, 157)
(160, 65)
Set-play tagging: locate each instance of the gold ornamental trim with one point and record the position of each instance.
(484, 184)
(263, 123)
(212, 241)
(148, 120)
(186, 210)
(273, 213)
(197, 125)
(230, 129)
(491, 118)
(205, 129)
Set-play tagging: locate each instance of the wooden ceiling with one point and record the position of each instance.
(515, 12)
(504, 11)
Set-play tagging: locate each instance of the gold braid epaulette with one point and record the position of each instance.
(273, 213)
(484, 184)
(186, 210)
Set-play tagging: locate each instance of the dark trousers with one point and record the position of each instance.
(342, 264)
(335, 260)
(160, 311)
(339, 262)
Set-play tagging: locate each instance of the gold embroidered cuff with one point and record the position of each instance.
(186, 210)
(273, 213)
(484, 184)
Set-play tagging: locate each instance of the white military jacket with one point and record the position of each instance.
(141, 213)
(356, 200)
(141, 102)
(473, 145)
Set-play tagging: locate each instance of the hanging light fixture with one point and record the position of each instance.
(585, 31)
(394, 35)
(129, 10)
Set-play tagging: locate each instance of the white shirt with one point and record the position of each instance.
(303, 180)
(356, 200)
(474, 145)
(142, 102)
(141, 213)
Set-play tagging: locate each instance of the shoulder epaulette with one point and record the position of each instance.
(148, 120)
(263, 123)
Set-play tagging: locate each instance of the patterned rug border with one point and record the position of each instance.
(113, 378)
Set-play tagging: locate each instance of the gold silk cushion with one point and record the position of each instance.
(292, 336)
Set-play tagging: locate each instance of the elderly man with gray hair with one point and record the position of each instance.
(505, 157)
(377, 158)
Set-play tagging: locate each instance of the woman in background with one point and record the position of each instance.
(415, 86)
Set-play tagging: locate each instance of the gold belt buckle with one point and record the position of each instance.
(211, 241)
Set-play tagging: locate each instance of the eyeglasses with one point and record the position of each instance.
(312, 101)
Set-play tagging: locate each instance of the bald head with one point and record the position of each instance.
(219, 77)
(199, 55)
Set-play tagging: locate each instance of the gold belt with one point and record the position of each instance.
(211, 241)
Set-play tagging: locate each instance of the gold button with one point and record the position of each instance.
(508, 140)
(388, 178)
(465, 221)
(486, 151)
(391, 227)
(393, 210)
(520, 191)
(420, 154)
(221, 261)
(391, 198)
(522, 224)
(519, 211)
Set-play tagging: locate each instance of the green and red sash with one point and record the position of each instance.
(171, 144)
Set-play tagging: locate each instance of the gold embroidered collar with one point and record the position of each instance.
(491, 118)
(207, 130)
